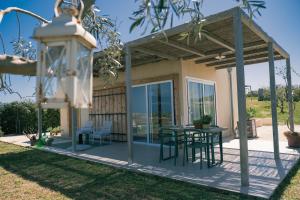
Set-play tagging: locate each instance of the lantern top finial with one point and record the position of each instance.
(70, 7)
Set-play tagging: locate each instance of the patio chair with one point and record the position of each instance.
(196, 140)
(104, 131)
(86, 129)
(171, 139)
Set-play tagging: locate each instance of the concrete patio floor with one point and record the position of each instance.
(265, 172)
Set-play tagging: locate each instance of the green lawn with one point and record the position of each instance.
(263, 110)
(34, 174)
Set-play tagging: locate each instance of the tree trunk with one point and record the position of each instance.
(17, 65)
(282, 106)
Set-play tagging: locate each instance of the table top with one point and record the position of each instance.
(191, 128)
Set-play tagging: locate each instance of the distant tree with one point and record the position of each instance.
(281, 97)
(266, 94)
(297, 93)
(253, 93)
(260, 94)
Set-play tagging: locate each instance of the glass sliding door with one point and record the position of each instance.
(139, 114)
(160, 102)
(201, 100)
(152, 106)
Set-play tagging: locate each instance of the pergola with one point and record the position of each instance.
(229, 39)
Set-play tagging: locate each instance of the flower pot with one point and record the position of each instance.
(32, 142)
(206, 125)
(293, 139)
(198, 126)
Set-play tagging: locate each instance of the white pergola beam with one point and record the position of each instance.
(155, 53)
(179, 29)
(247, 60)
(182, 47)
(128, 82)
(231, 57)
(273, 100)
(248, 47)
(218, 41)
(251, 62)
(240, 74)
(253, 26)
(290, 95)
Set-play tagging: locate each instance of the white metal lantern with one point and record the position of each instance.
(65, 63)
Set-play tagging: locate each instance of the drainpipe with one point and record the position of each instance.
(229, 70)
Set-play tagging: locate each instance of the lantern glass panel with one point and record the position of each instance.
(84, 75)
(55, 69)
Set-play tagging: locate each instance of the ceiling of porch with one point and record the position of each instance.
(214, 49)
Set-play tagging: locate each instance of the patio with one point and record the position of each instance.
(265, 172)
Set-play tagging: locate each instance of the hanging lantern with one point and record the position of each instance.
(65, 60)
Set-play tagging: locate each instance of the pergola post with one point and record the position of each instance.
(273, 100)
(240, 74)
(40, 121)
(73, 127)
(289, 93)
(128, 101)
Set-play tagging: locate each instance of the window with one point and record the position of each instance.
(201, 100)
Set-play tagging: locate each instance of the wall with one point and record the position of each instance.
(178, 71)
(221, 79)
(143, 72)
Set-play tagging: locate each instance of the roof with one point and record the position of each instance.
(217, 40)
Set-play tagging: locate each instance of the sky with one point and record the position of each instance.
(281, 20)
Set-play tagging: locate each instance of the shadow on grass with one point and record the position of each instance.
(286, 183)
(79, 179)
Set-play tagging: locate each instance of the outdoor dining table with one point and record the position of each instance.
(210, 133)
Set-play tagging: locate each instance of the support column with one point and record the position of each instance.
(40, 121)
(289, 93)
(128, 101)
(229, 70)
(73, 128)
(38, 90)
(240, 74)
(273, 100)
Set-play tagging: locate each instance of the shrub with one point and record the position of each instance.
(206, 119)
(17, 117)
(251, 112)
(1, 132)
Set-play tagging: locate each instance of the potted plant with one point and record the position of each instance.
(32, 136)
(198, 123)
(251, 124)
(206, 120)
(55, 131)
(293, 137)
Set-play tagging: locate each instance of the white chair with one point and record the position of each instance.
(104, 131)
(86, 129)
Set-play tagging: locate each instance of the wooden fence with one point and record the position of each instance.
(110, 104)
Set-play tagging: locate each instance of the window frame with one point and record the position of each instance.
(204, 82)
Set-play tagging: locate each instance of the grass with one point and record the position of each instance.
(27, 173)
(263, 110)
(34, 174)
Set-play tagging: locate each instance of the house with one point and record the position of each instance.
(172, 81)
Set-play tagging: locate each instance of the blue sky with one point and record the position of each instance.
(281, 20)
